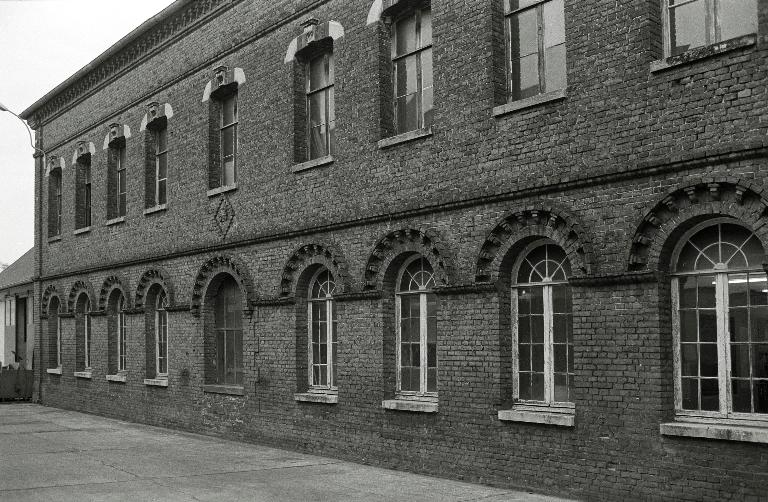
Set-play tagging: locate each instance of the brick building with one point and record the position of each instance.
(515, 242)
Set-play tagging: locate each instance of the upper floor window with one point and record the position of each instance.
(411, 48)
(416, 329)
(720, 324)
(536, 47)
(696, 23)
(116, 191)
(321, 116)
(83, 180)
(228, 320)
(54, 203)
(542, 327)
(322, 331)
(160, 136)
(228, 140)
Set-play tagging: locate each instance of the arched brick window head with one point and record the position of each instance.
(720, 328)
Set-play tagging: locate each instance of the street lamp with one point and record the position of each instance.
(4, 108)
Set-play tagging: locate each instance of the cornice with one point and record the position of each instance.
(151, 37)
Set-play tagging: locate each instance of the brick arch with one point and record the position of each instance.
(657, 231)
(546, 220)
(310, 254)
(425, 242)
(77, 288)
(48, 295)
(148, 279)
(215, 266)
(110, 284)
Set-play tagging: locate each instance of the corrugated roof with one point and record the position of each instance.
(19, 272)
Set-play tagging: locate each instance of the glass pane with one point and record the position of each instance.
(759, 324)
(537, 329)
(689, 355)
(554, 23)
(537, 386)
(760, 394)
(561, 328)
(758, 289)
(318, 76)
(432, 380)
(227, 142)
(537, 358)
(561, 388)
(426, 68)
(537, 300)
(427, 105)
(426, 27)
(331, 104)
(561, 299)
(687, 290)
(707, 326)
(690, 394)
(520, 4)
(317, 109)
(760, 361)
(524, 357)
(162, 140)
(524, 301)
(524, 329)
(737, 290)
(687, 26)
(737, 18)
(706, 291)
(230, 358)
(710, 396)
(405, 35)
(708, 359)
(229, 111)
(525, 386)
(524, 34)
(560, 358)
(220, 351)
(162, 166)
(742, 397)
(317, 145)
(408, 113)
(525, 76)
(432, 355)
(229, 172)
(554, 64)
(738, 324)
(406, 81)
(161, 196)
(740, 360)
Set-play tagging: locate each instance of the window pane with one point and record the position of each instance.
(740, 360)
(687, 26)
(737, 18)
(426, 68)
(561, 299)
(708, 359)
(162, 166)
(405, 35)
(537, 358)
(537, 386)
(408, 113)
(229, 111)
(706, 293)
(162, 137)
(331, 105)
(318, 76)
(689, 355)
(406, 81)
(525, 386)
(738, 324)
(554, 64)
(759, 324)
(710, 396)
(229, 172)
(742, 396)
(426, 27)
(760, 361)
(537, 329)
(554, 24)
(227, 142)
(427, 106)
(524, 34)
(317, 145)
(520, 4)
(707, 326)
(524, 357)
(525, 77)
(687, 290)
(760, 394)
(690, 394)
(317, 109)
(161, 195)
(560, 358)
(737, 290)
(561, 388)
(432, 380)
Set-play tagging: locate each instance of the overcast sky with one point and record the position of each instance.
(42, 43)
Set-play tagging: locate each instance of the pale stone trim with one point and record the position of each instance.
(233, 390)
(522, 104)
(120, 377)
(156, 382)
(410, 405)
(561, 419)
(715, 431)
(83, 374)
(316, 397)
(404, 138)
(320, 161)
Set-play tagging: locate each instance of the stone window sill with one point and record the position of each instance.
(699, 53)
(729, 432)
(55, 238)
(54, 371)
(83, 374)
(232, 390)
(119, 378)
(156, 209)
(522, 104)
(213, 192)
(83, 230)
(115, 221)
(320, 161)
(563, 418)
(410, 405)
(156, 382)
(316, 397)
(404, 138)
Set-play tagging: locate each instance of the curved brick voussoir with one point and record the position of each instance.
(309, 254)
(214, 266)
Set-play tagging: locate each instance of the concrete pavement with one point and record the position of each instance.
(49, 454)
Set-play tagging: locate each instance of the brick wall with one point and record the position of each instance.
(599, 160)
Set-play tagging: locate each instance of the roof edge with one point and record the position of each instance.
(104, 56)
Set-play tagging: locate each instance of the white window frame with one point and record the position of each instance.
(330, 335)
(417, 13)
(120, 174)
(159, 153)
(224, 333)
(712, 19)
(723, 339)
(328, 90)
(161, 304)
(121, 338)
(422, 393)
(235, 136)
(549, 374)
(87, 333)
(58, 340)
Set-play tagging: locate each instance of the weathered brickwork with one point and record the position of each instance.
(614, 173)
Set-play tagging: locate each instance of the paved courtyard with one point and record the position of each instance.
(49, 454)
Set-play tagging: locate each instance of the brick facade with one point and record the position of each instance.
(614, 173)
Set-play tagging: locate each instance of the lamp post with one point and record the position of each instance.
(4, 108)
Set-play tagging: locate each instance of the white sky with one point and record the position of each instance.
(42, 43)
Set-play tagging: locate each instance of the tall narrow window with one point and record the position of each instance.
(543, 334)
(121, 186)
(116, 189)
(122, 343)
(88, 195)
(416, 330)
(83, 323)
(720, 327)
(161, 336)
(161, 165)
(412, 70)
(54, 334)
(696, 23)
(83, 181)
(54, 202)
(536, 46)
(322, 332)
(228, 318)
(321, 116)
(228, 140)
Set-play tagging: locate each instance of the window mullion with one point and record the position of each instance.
(423, 341)
(398, 309)
(676, 344)
(515, 346)
(310, 361)
(549, 388)
(723, 367)
(329, 340)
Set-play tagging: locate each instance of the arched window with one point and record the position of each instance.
(416, 308)
(54, 333)
(83, 324)
(720, 328)
(116, 333)
(543, 334)
(228, 318)
(322, 331)
(161, 335)
(122, 344)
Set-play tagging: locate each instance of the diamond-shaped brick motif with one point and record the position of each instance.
(224, 217)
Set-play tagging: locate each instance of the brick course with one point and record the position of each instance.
(586, 171)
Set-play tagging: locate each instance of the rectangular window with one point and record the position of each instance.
(161, 165)
(321, 117)
(228, 140)
(58, 204)
(58, 341)
(121, 340)
(54, 203)
(696, 23)
(161, 339)
(412, 71)
(536, 47)
(120, 181)
(87, 189)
